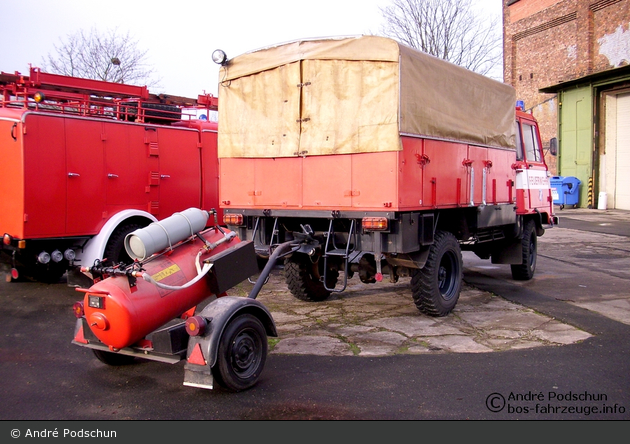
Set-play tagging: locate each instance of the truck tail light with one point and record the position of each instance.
(233, 219)
(6, 239)
(375, 223)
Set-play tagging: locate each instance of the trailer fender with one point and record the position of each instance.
(218, 315)
(95, 247)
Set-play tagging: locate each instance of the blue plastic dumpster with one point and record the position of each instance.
(565, 190)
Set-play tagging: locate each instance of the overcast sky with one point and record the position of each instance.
(180, 35)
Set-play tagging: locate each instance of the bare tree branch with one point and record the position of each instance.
(112, 56)
(448, 29)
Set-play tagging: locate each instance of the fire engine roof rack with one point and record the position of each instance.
(95, 98)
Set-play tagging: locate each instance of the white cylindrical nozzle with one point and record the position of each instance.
(154, 238)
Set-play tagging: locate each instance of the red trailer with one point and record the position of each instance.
(382, 160)
(85, 162)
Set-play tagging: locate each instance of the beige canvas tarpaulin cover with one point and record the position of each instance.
(354, 95)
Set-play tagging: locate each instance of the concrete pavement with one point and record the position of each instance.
(381, 319)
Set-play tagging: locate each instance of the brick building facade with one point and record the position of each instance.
(556, 42)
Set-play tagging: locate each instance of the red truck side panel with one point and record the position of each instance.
(237, 177)
(425, 174)
(375, 179)
(179, 173)
(128, 167)
(11, 177)
(44, 181)
(85, 172)
(327, 181)
(277, 183)
(445, 179)
(210, 171)
(77, 172)
(411, 165)
(500, 176)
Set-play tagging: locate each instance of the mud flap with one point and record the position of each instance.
(197, 373)
(510, 253)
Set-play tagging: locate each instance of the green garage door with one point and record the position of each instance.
(622, 160)
(575, 118)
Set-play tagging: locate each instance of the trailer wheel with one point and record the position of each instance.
(115, 252)
(242, 353)
(435, 287)
(303, 278)
(113, 359)
(525, 270)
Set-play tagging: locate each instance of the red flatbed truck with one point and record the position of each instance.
(378, 159)
(85, 162)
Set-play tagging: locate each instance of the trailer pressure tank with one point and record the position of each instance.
(158, 236)
(119, 313)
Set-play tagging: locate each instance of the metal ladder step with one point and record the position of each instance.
(338, 252)
(344, 253)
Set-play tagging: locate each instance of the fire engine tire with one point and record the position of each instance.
(525, 270)
(302, 278)
(115, 252)
(242, 353)
(113, 359)
(436, 287)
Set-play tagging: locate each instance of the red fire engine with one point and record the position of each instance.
(381, 160)
(85, 162)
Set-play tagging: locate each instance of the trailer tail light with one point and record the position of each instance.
(375, 223)
(79, 312)
(196, 325)
(233, 219)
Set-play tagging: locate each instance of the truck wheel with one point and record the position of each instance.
(303, 278)
(242, 353)
(435, 287)
(525, 270)
(115, 252)
(111, 358)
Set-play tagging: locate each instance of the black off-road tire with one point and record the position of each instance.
(525, 270)
(436, 287)
(303, 278)
(242, 353)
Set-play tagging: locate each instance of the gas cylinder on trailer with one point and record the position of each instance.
(123, 308)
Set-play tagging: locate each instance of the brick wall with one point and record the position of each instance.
(547, 42)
